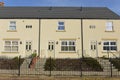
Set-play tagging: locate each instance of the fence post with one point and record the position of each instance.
(50, 65)
(110, 68)
(19, 65)
(81, 67)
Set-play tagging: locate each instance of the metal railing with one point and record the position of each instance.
(60, 67)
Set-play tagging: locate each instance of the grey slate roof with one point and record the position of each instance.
(57, 13)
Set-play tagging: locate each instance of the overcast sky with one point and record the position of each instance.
(112, 4)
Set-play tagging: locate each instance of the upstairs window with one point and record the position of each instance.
(12, 25)
(109, 26)
(61, 25)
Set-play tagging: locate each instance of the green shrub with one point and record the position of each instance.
(88, 64)
(11, 63)
(33, 55)
(116, 63)
(50, 64)
(93, 64)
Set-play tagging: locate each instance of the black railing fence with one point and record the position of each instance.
(60, 67)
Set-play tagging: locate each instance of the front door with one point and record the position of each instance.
(28, 47)
(51, 49)
(93, 49)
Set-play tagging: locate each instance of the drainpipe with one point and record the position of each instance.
(39, 38)
(82, 38)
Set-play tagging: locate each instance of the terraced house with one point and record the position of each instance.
(59, 32)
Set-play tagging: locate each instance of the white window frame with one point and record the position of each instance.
(109, 26)
(68, 45)
(61, 27)
(109, 45)
(11, 45)
(12, 25)
(93, 45)
(28, 44)
(51, 45)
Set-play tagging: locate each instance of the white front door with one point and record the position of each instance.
(28, 48)
(93, 49)
(51, 49)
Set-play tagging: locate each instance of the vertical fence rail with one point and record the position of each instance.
(50, 66)
(111, 73)
(81, 67)
(19, 66)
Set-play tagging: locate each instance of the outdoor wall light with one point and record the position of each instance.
(99, 43)
(20, 42)
(56, 42)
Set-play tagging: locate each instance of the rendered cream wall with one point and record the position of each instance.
(22, 33)
(99, 34)
(49, 32)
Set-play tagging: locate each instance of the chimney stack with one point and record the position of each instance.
(1, 4)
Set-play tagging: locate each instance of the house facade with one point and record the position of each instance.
(59, 32)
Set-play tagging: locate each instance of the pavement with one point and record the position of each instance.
(9, 77)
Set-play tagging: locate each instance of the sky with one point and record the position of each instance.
(111, 4)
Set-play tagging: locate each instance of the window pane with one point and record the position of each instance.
(109, 28)
(7, 42)
(91, 47)
(113, 48)
(52, 47)
(106, 48)
(106, 43)
(12, 23)
(61, 28)
(61, 23)
(12, 27)
(26, 43)
(14, 42)
(64, 43)
(26, 47)
(109, 24)
(14, 48)
(7, 48)
(64, 48)
(29, 47)
(72, 48)
(113, 43)
(94, 47)
(71, 43)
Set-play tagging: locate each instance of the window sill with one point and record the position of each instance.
(9, 52)
(11, 30)
(67, 52)
(109, 52)
(110, 31)
(60, 30)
